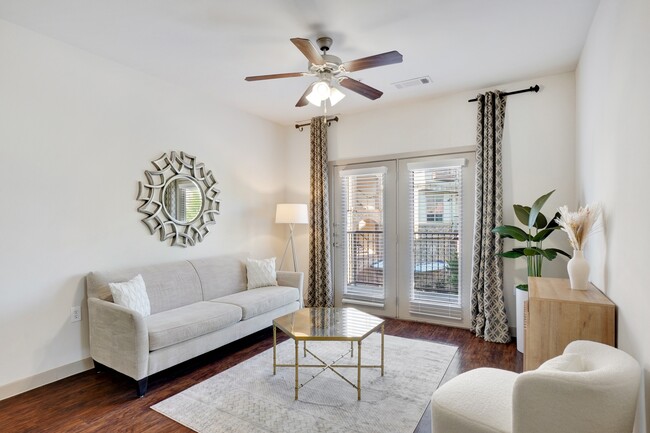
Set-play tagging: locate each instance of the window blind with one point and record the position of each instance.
(435, 203)
(193, 203)
(363, 217)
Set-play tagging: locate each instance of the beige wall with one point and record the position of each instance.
(613, 158)
(76, 134)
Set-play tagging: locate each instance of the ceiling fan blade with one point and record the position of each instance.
(303, 99)
(308, 49)
(360, 88)
(273, 76)
(383, 59)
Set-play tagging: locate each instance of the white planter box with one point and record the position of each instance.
(520, 297)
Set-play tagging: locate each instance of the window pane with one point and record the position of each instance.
(363, 207)
(436, 203)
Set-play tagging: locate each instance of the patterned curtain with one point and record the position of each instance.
(319, 289)
(489, 319)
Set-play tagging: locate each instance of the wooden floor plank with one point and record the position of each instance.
(101, 402)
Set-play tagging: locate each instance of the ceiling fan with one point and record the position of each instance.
(330, 70)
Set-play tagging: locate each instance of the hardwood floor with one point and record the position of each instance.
(106, 402)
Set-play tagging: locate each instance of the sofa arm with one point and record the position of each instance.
(291, 279)
(118, 338)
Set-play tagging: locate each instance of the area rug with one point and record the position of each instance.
(248, 398)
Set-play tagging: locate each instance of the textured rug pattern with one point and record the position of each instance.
(248, 398)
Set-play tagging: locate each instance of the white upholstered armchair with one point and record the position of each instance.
(590, 388)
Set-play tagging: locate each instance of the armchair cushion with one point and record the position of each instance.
(477, 401)
(565, 362)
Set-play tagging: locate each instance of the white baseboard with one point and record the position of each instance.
(29, 383)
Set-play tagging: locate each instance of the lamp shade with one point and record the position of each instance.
(291, 213)
(335, 96)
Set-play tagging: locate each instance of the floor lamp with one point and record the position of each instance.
(290, 213)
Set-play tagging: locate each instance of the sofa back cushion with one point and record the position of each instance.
(221, 275)
(169, 285)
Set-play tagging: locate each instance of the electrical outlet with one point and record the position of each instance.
(75, 314)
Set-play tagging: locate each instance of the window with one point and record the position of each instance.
(362, 196)
(435, 202)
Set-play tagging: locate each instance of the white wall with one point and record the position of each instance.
(76, 134)
(538, 154)
(613, 157)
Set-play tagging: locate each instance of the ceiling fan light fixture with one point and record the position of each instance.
(322, 90)
(313, 98)
(336, 96)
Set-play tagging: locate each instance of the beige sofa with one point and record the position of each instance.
(196, 306)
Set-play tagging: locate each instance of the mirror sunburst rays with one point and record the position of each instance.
(185, 215)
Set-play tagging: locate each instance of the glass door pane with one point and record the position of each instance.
(364, 236)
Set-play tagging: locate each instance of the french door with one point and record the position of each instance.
(365, 236)
(402, 233)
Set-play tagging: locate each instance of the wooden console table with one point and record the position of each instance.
(556, 315)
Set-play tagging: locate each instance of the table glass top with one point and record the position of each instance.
(328, 324)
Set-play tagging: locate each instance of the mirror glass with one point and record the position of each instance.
(182, 199)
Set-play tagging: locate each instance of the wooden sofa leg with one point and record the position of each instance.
(142, 386)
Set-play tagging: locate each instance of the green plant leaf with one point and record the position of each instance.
(512, 254)
(540, 222)
(552, 224)
(542, 234)
(523, 287)
(549, 254)
(534, 251)
(522, 213)
(511, 232)
(558, 251)
(537, 207)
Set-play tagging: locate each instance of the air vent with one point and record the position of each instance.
(413, 82)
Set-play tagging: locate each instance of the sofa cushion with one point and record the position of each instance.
(169, 285)
(221, 275)
(262, 300)
(184, 323)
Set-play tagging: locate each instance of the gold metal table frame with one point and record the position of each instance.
(328, 324)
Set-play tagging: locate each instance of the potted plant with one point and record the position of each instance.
(538, 229)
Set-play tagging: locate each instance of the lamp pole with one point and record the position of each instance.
(293, 250)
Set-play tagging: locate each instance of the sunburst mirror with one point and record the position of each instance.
(179, 199)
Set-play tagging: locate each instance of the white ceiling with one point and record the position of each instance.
(211, 45)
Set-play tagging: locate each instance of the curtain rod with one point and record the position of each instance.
(301, 126)
(534, 88)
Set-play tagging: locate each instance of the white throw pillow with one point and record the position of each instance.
(132, 294)
(261, 273)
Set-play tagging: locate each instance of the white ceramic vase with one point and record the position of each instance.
(578, 269)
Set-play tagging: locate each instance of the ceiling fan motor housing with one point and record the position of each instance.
(332, 65)
(324, 43)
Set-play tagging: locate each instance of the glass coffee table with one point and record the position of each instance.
(328, 324)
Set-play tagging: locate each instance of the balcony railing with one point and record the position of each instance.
(435, 260)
